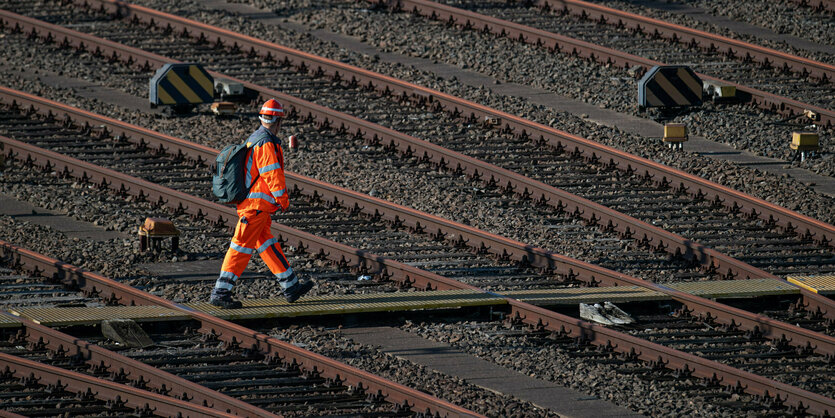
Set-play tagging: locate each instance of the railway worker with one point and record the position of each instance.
(268, 193)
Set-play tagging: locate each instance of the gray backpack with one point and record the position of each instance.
(228, 182)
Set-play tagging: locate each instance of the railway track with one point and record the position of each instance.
(292, 380)
(713, 61)
(533, 27)
(432, 277)
(820, 5)
(774, 238)
(109, 289)
(592, 278)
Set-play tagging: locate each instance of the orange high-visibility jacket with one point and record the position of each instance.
(265, 164)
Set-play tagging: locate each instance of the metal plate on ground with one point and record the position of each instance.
(8, 322)
(577, 295)
(823, 284)
(94, 315)
(730, 289)
(357, 303)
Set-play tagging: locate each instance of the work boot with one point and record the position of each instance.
(223, 298)
(296, 291)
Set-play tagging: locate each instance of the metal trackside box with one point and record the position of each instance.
(675, 132)
(670, 86)
(805, 141)
(181, 84)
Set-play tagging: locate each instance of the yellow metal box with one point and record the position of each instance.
(675, 132)
(805, 141)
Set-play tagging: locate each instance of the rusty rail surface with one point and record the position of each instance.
(702, 39)
(159, 405)
(233, 333)
(523, 186)
(136, 371)
(819, 5)
(316, 65)
(768, 101)
(599, 335)
(439, 227)
(474, 238)
(532, 314)
(590, 211)
(438, 154)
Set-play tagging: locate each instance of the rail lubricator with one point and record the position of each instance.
(591, 212)
(140, 373)
(201, 153)
(694, 185)
(142, 400)
(655, 354)
(555, 42)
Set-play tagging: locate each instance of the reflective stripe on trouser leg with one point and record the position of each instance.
(271, 253)
(226, 280)
(241, 248)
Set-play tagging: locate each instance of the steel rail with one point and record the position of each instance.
(702, 39)
(815, 296)
(694, 185)
(136, 371)
(117, 292)
(819, 5)
(467, 235)
(474, 238)
(590, 211)
(655, 354)
(764, 100)
(471, 166)
(157, 404)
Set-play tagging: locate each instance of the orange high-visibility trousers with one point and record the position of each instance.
(252, 234)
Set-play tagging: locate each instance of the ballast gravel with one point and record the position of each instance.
(781, 17)
(743, 127)
(330, 343)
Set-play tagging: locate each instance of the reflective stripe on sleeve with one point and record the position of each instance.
(269, 168)
(264, 196)
(279, 193)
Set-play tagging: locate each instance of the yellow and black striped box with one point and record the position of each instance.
(670, 86)
(181, 84)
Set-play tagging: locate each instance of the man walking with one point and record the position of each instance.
(267, 193)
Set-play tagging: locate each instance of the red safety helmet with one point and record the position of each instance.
(271, 111)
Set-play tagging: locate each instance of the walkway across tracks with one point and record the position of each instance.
(404, 301)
